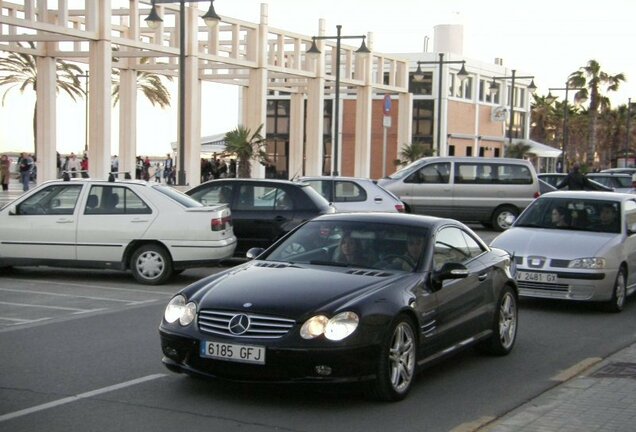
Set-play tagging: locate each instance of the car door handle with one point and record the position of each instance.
(139, 220)
(482, 277)
(279, 218)
(378, 199)
(64, 221)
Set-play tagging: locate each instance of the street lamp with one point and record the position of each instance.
(336, 122)
(494, 88)
(566, 133)
(629, 121)
(419, 75)
(86, 76)
(153, 20)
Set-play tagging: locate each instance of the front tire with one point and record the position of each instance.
(396, 365)
(617, 302)
(151, 264)
(504, 326)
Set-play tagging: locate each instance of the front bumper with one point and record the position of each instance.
(573, 285)
(283, 365)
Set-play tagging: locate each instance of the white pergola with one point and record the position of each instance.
(112, 34)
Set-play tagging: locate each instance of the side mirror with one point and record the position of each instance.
(254, 252)
(13, 210)
(450, 270)
(631, 229)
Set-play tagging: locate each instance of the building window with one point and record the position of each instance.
(451, 150)
(423, 121)
(481, 151)
(469, 151)
(485, 95)
(462, 89)
(423, 86)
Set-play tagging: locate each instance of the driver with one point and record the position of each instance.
(414, 247)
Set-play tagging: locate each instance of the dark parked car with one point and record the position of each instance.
(347, 297)
(263, 210)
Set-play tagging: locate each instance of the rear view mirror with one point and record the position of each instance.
(254, 252)
(449, 270)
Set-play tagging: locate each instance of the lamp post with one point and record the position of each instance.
(336, 122)
(153, 20)
(493, 89)
(86, 76)
(566, 132)
(629, 122)
(418, 76)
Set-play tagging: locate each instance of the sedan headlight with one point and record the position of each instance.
(177, 309)
(335, 328)
(588, 263)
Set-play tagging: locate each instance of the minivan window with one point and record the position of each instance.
(431, 173)
(491, 173)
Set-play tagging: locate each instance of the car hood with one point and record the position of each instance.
(564, 244)
(290, 290)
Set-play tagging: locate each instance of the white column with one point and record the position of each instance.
(127, 121)
(100, 92)
(192, 102)
(315, 110)
(364, 104)
(296, 131)
(46, 128)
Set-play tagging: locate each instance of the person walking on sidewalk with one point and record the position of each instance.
(5, 171)
(25, 164)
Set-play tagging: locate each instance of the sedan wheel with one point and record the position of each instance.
(504, 329)
(617, 302)
(396, 367)
(151, 265)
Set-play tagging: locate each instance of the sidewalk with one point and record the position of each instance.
(602, 398)
(15, 190)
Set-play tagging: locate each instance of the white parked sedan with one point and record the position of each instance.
(577, 245)
(153, 230)
(355, 194)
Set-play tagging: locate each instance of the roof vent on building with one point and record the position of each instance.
(499, 61)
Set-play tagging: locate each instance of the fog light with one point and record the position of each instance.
(323, 370)
(170, 352)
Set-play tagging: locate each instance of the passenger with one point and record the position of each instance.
(559, 217)
(608, 219)
(414, 248)
(350, 252)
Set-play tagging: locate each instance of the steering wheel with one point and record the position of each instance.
(390, 258)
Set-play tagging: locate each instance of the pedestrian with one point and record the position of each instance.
(84, 166)
(575, 180)
(5, 171)
(74, 165)
(114, 165)
(157, 172)
(167, 169)
(146, 169)
(25, 165)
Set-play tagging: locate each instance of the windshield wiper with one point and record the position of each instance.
(329, 263)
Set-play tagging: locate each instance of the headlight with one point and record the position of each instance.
(336, 328)
(588, 263)
(177, 309)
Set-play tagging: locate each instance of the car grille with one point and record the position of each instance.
(260, 326)
(543, 286)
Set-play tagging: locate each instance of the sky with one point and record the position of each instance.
(547, 39)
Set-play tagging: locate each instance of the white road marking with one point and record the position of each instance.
(51, 307)
(75, 398)
(83, 285)
(22, 291)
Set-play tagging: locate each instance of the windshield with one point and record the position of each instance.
(354, 244)
(403, 172)
(573, 214)
(179, 197)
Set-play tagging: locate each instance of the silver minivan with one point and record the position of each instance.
(491, 191)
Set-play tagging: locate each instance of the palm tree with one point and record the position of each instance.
(412, 152)
(517, 151)
(247, 146)
(20, 70)
(150, 84)
(592, 81)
